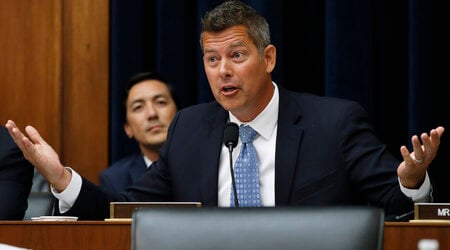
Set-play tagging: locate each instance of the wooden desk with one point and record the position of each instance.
(98, 235)
(406, 235)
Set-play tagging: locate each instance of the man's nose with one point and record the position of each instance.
(151, 111)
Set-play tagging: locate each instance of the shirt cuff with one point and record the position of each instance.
(69, 195)
(423, 194)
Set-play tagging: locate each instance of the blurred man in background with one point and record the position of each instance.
(148, 107)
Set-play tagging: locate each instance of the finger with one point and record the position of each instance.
(428, 148)
(431, 142)
(10, 125)
(440, 130)
(417, 148)
(34, 135)
(406, 155)
(435, 136)
(15, 133)
(22, 142)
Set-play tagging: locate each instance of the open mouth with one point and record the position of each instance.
(229, 89)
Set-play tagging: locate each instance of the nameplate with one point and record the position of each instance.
(432, 211)
(126, 209)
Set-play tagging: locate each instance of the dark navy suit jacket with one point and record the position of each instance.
(16, 179)
(122, 174)
(326, 154)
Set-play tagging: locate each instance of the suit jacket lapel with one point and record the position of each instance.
(211, 146)
(289, 135)
(137, 168)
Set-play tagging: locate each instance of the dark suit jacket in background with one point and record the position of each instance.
(16, 178)
(326, 154)
(122, 174)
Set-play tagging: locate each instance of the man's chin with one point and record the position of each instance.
(155, 145)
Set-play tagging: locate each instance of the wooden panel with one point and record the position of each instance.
(85, 71)
(54, 69)
(30, 66)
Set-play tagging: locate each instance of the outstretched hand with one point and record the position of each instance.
(39, 153)
(412, 170)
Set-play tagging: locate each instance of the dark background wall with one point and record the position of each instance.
(390, 56)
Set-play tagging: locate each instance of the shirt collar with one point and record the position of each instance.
(266, 121)
(148, 162)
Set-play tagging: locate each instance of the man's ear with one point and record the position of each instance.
(270, 56)
(128, 131)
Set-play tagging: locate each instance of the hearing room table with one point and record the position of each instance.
(42, 235)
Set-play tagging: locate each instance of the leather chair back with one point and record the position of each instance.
(318, 228)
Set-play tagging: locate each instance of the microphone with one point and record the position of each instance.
(401, 217)
(230, 139)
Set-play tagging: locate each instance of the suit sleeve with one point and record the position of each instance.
(16, 179)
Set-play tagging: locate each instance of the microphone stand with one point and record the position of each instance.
(233, 183)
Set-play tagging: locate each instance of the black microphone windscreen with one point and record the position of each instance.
(231, 134)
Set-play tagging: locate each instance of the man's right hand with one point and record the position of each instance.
(41, 155)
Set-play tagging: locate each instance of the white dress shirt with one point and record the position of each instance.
(265, 124)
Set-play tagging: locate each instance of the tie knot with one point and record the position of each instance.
(246, 133)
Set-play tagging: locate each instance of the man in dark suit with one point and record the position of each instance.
(16, 178)
(148, 107)
(311, 150)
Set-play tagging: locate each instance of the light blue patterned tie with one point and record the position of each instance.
(246, 171)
